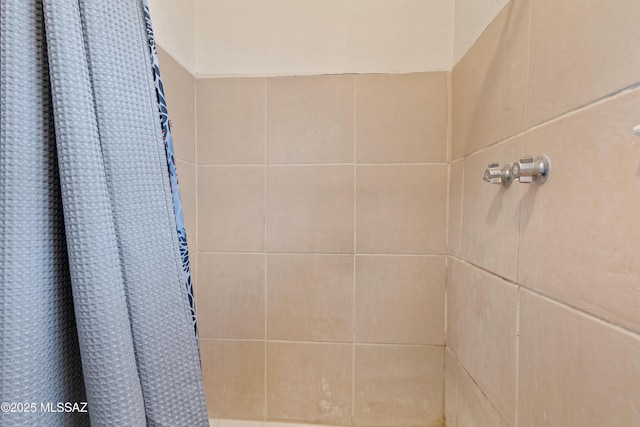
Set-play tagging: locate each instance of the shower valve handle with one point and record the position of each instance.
(529, 170)
(496, 175)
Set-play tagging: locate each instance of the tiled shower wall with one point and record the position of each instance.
(543, 325)
(321, 241)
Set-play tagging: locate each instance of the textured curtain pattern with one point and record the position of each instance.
(93, 302)
(171, 166)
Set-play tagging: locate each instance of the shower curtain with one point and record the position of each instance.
(95, 289)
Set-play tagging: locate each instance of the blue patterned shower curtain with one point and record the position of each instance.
(96, 304)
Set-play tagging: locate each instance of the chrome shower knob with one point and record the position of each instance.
(524, 169)
(492, 174)
(496, 175)
(529, 170)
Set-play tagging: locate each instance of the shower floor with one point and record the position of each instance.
(214, 422)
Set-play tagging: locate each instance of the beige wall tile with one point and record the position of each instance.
(310, 382)
(231, 296)
(401, 209)
(466, 404)
(495, 80)
(231, 120)
(310, 119)
(401, 117)
(187, 185)
(579, 230)
(310, 297)
(457, 111)
(179, 87)
(310, 209)
(400, 299)
(575, 371)
(231, 211)
(399, 385)
(233, 374)
(482, 331)
(491, 213)
(456, 182)
(580, 52)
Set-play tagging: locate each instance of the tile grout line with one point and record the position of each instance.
(355, 225)
(266, 266)
(592, 316)
(581, 312)
(517, 373)
(528, 70)
(363, 344)
(284, 165)
(519, 288)
(480, 389)
(562, 116)
(522, 148)
(466, 262)
(186, 162)
(462, 192)
(327, 254)
(217, 422)
(447, 231)
(449, 114)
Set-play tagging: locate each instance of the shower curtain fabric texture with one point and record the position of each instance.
(96, 303)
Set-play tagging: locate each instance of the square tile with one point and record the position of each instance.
(581, 51)
(399, 386)
(575, 370)
(400, 299)
(231, 296)
(233, 375)
(310, 209)
(321, 394)
(402, 117)
(231, 208)
(401, 209)
(310, 297)
(231, 120)
(310, 119)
